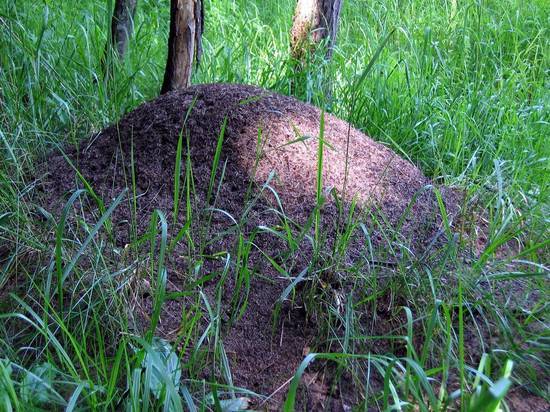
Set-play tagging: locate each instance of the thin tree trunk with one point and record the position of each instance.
(184, 43)
(122, 25)
(314, 21)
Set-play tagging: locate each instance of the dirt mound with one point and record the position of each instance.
(265, 133)
(266, 138)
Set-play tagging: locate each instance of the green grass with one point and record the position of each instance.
(459, 88)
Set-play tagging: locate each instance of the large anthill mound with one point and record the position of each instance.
(267, 138)
(266, 134)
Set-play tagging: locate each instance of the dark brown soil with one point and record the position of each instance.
(354, 167)
(521, 400)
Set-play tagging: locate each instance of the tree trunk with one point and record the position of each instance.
(314, 21)
(122, 25)
(184, 43)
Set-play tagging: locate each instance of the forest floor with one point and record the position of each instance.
(262, 355)
(228, 247)
(249, 159)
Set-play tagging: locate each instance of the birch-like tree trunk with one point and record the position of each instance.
(314, 21)
(122, 25)
(184, 43)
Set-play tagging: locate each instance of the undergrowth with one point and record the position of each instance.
(458, 88)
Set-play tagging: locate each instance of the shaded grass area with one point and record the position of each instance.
(460, 89)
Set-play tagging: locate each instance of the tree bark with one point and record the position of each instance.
(314, 21)
(184, 43)
(122, 25)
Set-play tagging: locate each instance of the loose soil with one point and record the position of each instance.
(266, 138)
